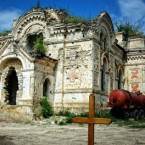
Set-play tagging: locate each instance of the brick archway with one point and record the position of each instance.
(11, 67)
(11, 86)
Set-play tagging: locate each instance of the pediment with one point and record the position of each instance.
(10, 51)
(6, 49)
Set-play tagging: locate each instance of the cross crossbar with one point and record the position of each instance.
(92, 120)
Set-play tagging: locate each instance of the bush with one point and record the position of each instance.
(46, 107)
(128, 28)
(104, 113)
(5, 33)
(69, 115)
(84, 114)
(39, 48)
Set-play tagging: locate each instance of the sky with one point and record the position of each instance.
(134, 10)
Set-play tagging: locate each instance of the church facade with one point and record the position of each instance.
(80, 58)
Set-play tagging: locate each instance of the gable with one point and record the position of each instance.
(107, 22)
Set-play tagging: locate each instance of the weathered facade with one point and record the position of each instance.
(80, 59)
(135, 66)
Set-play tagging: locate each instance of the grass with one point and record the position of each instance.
(129, 123)
(76, 20)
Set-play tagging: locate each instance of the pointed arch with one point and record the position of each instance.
(104, 56)
(104, 69)
(120, 77)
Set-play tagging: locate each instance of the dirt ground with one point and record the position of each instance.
(42, 133)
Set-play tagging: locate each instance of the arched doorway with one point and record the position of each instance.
(11, 84)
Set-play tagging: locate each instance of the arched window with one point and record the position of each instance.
(103, 42)
(120, 79)
(102, 78)
(31, 40)
(103, 75)
(46, 87)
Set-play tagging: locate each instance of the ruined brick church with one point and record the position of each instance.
(80, 58)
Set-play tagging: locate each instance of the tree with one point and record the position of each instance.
(128, 28)
(39, 48)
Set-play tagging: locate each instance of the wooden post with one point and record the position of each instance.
(91, 120)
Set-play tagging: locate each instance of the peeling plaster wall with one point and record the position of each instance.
(42, 73)
(74, 74)
(135, 66)
(77, 50)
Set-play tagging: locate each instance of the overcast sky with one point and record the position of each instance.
(134, 10)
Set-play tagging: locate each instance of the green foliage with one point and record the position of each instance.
(104, 113)
(4, 33)
(64, 113)
(76, 20)
(129, 28)
(39, 48)
(131, 123)
(84, 114)
(46, 107)
(62, 122)
(68, 115)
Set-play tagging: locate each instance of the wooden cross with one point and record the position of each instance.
(91, 120)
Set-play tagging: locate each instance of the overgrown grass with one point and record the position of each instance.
(69, 115)
(5, 33)
(77, 20)
(130, 123)
(139, 124)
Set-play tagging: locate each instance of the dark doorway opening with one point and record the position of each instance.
(11, 86)
(119, 80)
(46, 88)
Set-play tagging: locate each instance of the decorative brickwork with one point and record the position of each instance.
(134, 87)
(134, 74)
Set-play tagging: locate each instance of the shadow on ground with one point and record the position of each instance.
(4, 140)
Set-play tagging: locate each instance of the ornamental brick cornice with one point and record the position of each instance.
(35, 16)
(24, 21)
(136, 57)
